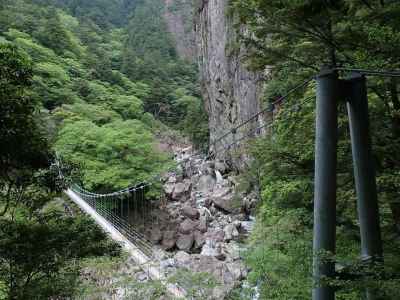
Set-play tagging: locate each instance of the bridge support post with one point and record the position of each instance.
(364, 172)
(324, 241)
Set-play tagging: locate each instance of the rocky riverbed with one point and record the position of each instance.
(202, 223)
(205, 219)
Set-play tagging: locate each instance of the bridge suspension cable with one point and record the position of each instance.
(134, 216)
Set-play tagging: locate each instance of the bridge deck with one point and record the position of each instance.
(149, 266)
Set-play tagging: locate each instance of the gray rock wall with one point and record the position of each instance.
(231, 92)
(179, 18)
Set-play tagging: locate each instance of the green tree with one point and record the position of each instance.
(23, 147)
(293, 39)
(114, 155)
(39, 247)
(52, 34)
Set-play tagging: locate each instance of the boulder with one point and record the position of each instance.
(182, 190)
(172, 179)
(167, 263)
(247, 226)
(169, 240)
(221, 166)
(237, 224)
(185, 242)
(215, 235)
(187, 226)
(199, 239)
(208, 264)
(182, 259)
(207, 168)
(190, 212)
(169, 189)
(213, 250)
(156, 235)
(209, 250)
(237, 270)
(206, 183)
(230, 232)
(232, 251)
(223, 199)
(141, 277)
(203, 223)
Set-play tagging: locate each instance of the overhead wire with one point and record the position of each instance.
(107, 203)
(267, 109)
(249, 134)
(369, 72)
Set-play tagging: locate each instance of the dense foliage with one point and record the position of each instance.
(150, 55)
(40, 246)
(85, 57)
(73, 79)
(293, 39)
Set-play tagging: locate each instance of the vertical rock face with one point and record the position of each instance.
(179, 18)
(231, 92)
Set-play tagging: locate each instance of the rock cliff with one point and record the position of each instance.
(231, 92)
(178, 15)
(204, 29)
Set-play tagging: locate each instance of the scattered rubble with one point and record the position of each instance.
(206, 222)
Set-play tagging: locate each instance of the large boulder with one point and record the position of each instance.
(206, 183)
(203, 223)
(212, 248)
(185, 242)
(216, 235)
(187, 226)
(231, 251)
(156, 235)
(169, 189)
(223, 200)
(182, 190)
(190, 212)
(237, 270)
(230, 232)
(182, 259)
(221, 166)
(199, 239)
(247, 226)
(169, 240)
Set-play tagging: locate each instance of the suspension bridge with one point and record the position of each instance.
(129, 216)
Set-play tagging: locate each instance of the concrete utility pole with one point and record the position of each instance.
(364, 172)
(324, 242)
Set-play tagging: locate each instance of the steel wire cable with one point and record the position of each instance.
(249, 134)
(117, 221)
(107, 204)
(369, 72)
(267, 109)
(234, 129)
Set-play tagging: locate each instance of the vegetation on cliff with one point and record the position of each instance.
(293, 39)
(40, 245)
(96, 81)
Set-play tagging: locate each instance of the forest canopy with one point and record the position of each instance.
(97, 69)
(293, 40)
(67, 87)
